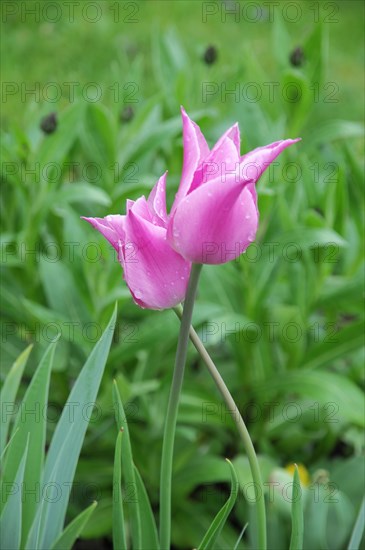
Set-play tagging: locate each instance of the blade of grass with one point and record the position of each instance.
(240, 537)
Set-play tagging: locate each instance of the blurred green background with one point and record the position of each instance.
(284, 323)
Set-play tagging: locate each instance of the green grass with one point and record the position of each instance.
(286, 332)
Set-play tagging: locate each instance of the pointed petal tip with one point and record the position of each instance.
(92, 221)
(184, 114)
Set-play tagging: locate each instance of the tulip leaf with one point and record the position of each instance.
(358, 530)
(8, 393)
(98, 136)
(32, 419)
(119, 538)
(11, 516)
(344, 341)
(296, 540)
(73, 530)
(342, 401)
(220, 519)
(128, 466)
(334, 130)
(82, 193)
(66, 444)
(149, 529)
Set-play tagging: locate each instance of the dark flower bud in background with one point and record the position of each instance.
(210, 55)
(127, 114)
(296, 57)
(48, 123)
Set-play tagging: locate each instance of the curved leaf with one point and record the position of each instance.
(220, 519)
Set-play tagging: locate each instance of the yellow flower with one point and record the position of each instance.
(303, 473)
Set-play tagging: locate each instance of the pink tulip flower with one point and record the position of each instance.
(214, 217)
(156, 275)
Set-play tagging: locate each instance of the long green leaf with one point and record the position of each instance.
(31, 418)
(11, 517)
(74, 529)
(148, 523)
(8, 445)
(8, 393)
(345, 341)
(220, 519)
(128, 466)
(296, 540)
(341, 399)
(119, 539)
(66, 445)
(358, 530)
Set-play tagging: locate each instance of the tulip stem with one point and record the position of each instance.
(172, 409)
(241, 427)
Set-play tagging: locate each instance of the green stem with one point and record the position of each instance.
(172, 409)
(241, 427)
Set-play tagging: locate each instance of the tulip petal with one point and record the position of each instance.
(219, 163)
(112, 227)
(195, 150)
(156, 275)
(254, 163)
(215, 223)
(157, 201)
(234, 134)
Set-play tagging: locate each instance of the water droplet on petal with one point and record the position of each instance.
(209, 193)
(182, 278)
(247, 217)
(138, 294)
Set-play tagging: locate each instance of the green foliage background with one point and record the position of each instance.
(284, 323)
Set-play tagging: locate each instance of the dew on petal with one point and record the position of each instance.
(138, 294)
(247, 217)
